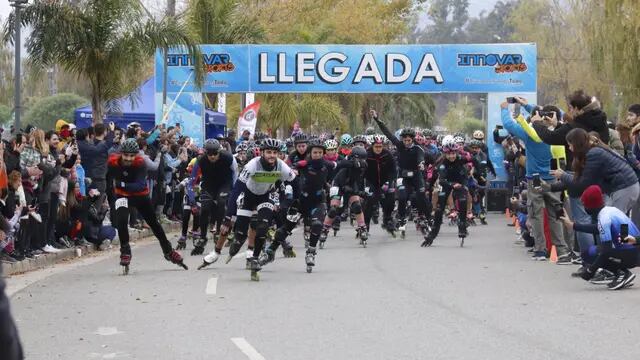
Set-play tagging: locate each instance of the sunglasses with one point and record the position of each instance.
(212, 153)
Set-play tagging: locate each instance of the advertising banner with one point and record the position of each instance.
(355, 68)
(249, 118)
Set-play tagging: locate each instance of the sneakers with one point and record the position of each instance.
(105, 245)
(564, 260)
(211, 257)
(50, 249)
(623, 279)
(576, 260)
(579, 272)
(539, 256)
(602, 277)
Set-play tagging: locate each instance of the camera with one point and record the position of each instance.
(512, 100)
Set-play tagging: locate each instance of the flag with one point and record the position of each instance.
(249, 118)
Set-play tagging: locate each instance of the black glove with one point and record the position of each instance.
(587, 274)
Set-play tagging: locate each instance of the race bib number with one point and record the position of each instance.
(186, 207)
(294, 217)
(269, 206)
(399, 182)
(410, 174)
(266, 177)
(122, 202)
(334, 191)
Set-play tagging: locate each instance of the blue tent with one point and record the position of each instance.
(143, 112)
(215, 123)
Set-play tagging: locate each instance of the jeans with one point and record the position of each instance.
(537, 202)
(580, 216)
(624, 199)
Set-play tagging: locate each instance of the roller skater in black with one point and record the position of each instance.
(129, 173)
(381, 179)
(481, 169)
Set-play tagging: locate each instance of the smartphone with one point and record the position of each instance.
(548, 114)
(536, 180)
(624, 231)
(516, 110)
(512, 100)
(499, 127)
(559, 210)
(562, 163)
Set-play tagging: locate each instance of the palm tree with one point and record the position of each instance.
(221, 22)
(404, 109)
(315, 112)
(107, 42)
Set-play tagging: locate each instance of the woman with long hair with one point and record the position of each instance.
(594, 163)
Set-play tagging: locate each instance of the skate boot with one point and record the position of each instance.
(336, 227)
(462, 233)
(402, 228)
(175, 258)
(483, 218)
(266, 257)
(390, 227)
(209, 259)
(428, 240)
(288, 251)
(248, 256)
(125, 261)
(322, 239)
(234, 248)
(182, 243)
(310, 259)
(254, 267)
(364, 236)
(198, 247)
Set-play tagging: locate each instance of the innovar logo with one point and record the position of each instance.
(506, 63)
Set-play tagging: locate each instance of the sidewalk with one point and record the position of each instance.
(47, 260)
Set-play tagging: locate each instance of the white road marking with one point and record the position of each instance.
(107, 331)
(247, 349)
(212, 285)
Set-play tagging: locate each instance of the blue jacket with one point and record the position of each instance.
(538, 153)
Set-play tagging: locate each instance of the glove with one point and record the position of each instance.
(587, 274)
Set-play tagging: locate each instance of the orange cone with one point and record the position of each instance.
(554, 254)
(507, 213)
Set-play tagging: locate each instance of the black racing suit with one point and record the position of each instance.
(381, 180)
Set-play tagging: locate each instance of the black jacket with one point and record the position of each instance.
(380, 168)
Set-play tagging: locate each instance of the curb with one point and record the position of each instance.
(48, 260)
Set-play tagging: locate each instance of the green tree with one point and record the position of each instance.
(107, 42)
(493, 26)
(401, 110)
(459, 117)
(45, 112)
(446, 23)
(5, 114)
(314, 112)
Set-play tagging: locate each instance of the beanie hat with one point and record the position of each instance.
(592, 197)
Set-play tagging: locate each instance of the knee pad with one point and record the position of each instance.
(316, 227)
(333, 212)
(356, 207)
(281, 235)
(262, 227)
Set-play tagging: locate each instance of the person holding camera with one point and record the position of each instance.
(616, 249)
(537, 166)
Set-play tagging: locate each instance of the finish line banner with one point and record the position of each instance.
(354, 68)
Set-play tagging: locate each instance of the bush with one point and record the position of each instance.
(5, 115)
(45, 112)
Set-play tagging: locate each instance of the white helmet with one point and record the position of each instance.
(448, 140)
(458, 139)
(478, 135)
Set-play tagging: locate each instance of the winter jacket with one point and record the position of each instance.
(605, 168)
(94, 157)
(538, 153)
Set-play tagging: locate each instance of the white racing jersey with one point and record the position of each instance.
(260, 181)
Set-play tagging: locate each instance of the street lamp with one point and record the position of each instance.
(18, 5)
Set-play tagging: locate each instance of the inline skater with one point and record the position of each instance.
(381, 179)
(252, 192)
(129, 173)
(481, 161)
(218, 172)
(453, 174)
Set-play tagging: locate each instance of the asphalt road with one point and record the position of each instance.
(392, 300)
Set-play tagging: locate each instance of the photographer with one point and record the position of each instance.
(615, 250)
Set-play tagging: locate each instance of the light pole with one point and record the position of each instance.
(17, 5)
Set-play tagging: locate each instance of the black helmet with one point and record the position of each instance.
(428, 134)
(360, 139)
(289, 142)
(212, 146)
(300, 138)
(270, 144)
(316, 143)
(408, 132)
(370, 131)
(129, 146)
(359, 153)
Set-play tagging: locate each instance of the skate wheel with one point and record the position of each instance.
(309, 269)
(364, 244)
(125, 270)
(255, 276)
(403, 234)
(462, 242)
(322, 245)
(228, 259)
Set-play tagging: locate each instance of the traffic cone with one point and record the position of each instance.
(554, 254)
(507, 213)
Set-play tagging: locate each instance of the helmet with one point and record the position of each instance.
(289, 142)
(253, 151)
(270, 144)
(475, 143)
(211, 145)
(129, 146)
(316, 143)
(478, 135)
(360, 139)
(331, 144)
(420, 139)
(408, 132)
(449, 144)
(283, 148)
(370, 131)
(133, 125)
(458, 139)
(378, 139)
(242, 147)
(300, 138)
(460, 134)
(346, 140)
(358, 153)
(428, 134)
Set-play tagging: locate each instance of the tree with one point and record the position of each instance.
(45, 112)
(107, 42)
(493, 26)
(446, 23)
(314, 112)
(459, 117)
(5, 114)
(401, 110)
